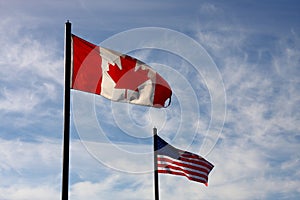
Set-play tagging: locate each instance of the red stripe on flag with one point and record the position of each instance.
(165, 171)
(197, 162)
(199, 168)
(162, 91)
(185, 171)
(87, 71)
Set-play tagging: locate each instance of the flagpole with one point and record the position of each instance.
(156, 187)
(66, 136)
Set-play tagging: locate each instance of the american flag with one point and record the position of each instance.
(171, 160)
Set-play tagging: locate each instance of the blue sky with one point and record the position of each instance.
(234, 68)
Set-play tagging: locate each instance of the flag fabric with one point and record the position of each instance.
(171, 160)
(116, 76)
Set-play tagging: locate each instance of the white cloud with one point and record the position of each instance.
(208, 8)
(18, 101)
(26, 58)
(115, 187)
(18, 155)
(32, 77)
(30, 170)
(25, 192)
(287, 63)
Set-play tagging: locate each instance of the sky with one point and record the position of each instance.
(234, 69)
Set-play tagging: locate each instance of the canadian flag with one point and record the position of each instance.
(116, 76)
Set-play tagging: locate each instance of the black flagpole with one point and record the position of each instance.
(66, 136)
(156, 188)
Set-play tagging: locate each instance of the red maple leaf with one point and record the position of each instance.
(127, 77)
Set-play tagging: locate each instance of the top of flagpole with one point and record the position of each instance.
(154, 130)
(68, 28)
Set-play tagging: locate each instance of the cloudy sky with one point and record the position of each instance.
(234, 69)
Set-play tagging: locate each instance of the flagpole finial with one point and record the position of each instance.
(154, 130)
